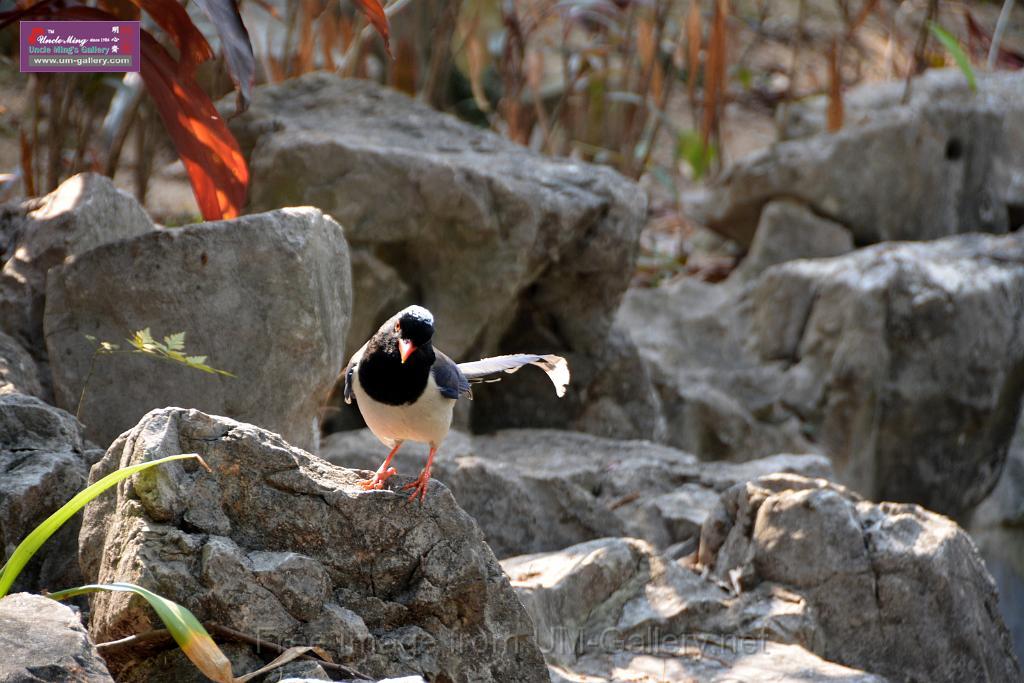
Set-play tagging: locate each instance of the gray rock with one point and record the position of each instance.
(413, 590)
(19, 374)
(906, 362)
(901, 362)
(44, 640)
(564, 488)
(42, 466)
(615, 609)
(511, 251)
(266, 297)
(719, 399)
(788, 230)
(84, 212)
(919, 174)
(897, 590)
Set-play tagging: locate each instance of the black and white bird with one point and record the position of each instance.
(406, 389)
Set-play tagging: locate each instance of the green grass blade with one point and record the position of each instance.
(959, 56)
(28, 547)
(183, 626)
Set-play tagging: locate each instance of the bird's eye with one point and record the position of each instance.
(398, 327)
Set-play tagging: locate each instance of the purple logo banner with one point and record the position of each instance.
(79, 46)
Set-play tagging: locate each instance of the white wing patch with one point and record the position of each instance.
(490, 369)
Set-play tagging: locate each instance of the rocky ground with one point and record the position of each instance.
(704, 505)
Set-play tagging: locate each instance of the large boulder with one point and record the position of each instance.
(897, 590)
(906, 360)
(616, 610)
(266, 297)
(918, 174)
(85, 211)
(901, 362)
(43, 463)
(564, 488)
(277, 543)
(43, 640)
(1002, 91)
(511, 250)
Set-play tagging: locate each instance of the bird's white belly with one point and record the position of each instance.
(427, 420)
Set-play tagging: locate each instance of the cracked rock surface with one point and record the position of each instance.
(562, 488)
(896, 590)
(614, 609)
(44, 640)
(280, 543)
(44, 461)
(902, 362)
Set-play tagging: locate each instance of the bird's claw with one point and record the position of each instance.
(376, 482)
(419, 487)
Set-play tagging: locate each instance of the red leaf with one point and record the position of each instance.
(216, 168)
(174, 20)
(235, 45)
(375, 14)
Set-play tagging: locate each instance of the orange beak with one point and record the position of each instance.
(405, 348)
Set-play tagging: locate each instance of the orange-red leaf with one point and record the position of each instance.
(374, 12)
(215, 165)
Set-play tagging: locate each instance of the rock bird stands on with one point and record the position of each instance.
(406, 389)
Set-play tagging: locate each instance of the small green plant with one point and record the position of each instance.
(957, 52)
(171, 350)
(190, 635)
(698, 155)
(28, 547)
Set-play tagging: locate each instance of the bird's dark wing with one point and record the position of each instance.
(491, 369)
(449, 377)
(349, 393)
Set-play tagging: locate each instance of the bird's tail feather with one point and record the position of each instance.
(491, 369)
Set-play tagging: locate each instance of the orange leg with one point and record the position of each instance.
(419, 486)
(382, 473)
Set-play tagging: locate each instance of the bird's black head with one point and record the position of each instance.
(414, 328)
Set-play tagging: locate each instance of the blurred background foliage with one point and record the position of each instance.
(665, 91)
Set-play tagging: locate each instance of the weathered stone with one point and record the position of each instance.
(906, 361)
(701, 658)
(614, 605)
(511, 250)
(719, 399)
(788, 230)
(84, 212)
(266, 297)
(19, 374)
(412, 590)
(901, 362)
(563, 488)
(42, 466)
(897, 590)
(916, 175)
(43, 640)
